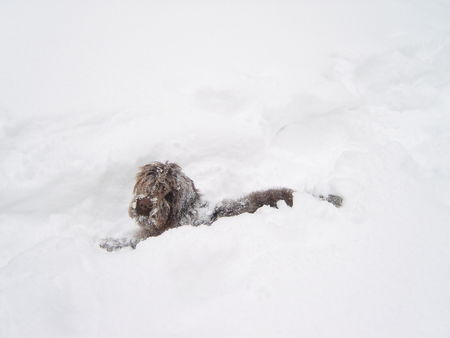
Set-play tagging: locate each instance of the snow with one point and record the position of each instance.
(347, 97)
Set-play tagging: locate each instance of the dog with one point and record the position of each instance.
(165, 198)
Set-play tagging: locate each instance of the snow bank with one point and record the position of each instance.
(349, 98)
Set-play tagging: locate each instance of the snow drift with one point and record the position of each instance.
(324, 97)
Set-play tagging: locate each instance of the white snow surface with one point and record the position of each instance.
(347, 97)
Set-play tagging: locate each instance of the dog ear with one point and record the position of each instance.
(160, 214)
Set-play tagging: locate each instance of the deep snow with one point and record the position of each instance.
(344, 97)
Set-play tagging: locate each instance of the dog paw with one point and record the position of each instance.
(113, 244)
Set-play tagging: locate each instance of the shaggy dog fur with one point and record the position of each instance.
(164, 198)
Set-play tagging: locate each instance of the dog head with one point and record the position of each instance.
(161, 194)
(154, 194)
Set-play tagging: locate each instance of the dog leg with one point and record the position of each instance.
(251, 202)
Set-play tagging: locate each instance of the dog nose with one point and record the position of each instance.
(143, 206)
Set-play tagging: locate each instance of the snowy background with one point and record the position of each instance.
(347, 97)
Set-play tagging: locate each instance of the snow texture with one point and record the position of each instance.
(342, 97)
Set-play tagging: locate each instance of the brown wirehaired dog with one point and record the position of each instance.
(164, 198)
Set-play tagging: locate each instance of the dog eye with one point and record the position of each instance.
(169, 197)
